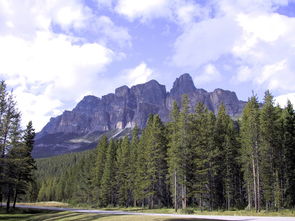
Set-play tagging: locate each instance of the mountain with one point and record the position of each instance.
(116, 113)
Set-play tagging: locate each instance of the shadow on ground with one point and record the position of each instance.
(40, 215)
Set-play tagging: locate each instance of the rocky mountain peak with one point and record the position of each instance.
(150, 92)
(122, 91)
(87, 103)
(114, 113)
(183, 85)
(227, 98)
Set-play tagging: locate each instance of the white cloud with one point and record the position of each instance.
(198, 44)
(283, 99)
(186, 12)
(73, 15)
(48, 71)
(210, 73)
(233, 7)
(106, 26)
(266, 46)
(38, 108)
(61, 68)
(24, 18)
(266, 28)
(180, 11)
(140, 74)
(244, 74)
(145, 10)
(260, 40)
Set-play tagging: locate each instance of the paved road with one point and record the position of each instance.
(236, 218)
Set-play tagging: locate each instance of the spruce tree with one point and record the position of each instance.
(174, 157)
(204, 149)
(123, 173)
(21, 152)
(227, 167)
(108, 184)
(250, 151)
(269, 148)
(133, 162)
(141, 181)
(99, 167)
(185, 150)
(180, 153)
(156, 161)
(289, 153)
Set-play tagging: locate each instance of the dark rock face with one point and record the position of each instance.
(125, 108)
(183, 85)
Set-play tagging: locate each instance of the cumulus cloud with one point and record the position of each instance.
(49, 70)
(54, 65)
(209, 74)
(180, 11)
(144, 10)
(104, 25)
(198, 45)
(266, 46)
(283, 99)
(140, 74)
(259, 39)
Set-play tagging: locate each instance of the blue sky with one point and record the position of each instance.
(54, 52)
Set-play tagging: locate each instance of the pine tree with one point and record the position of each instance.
(222, 178)
(83, 176)
(156, 161)
(174, 157)
(250, 151)
(226, 164)
(10, 146)
(180, 153)
(289, 153)
(123, 173)
(99, 167)
(133, 162)
(204, 149)
(269, 146)
(141, 181)
(22, 153)
(185, 150)
(107, 189)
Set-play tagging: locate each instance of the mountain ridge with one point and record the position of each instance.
(124, 109)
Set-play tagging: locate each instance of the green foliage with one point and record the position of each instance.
(289, 152)
(16, 162)
(108, 183)
(197, 159)
(123, 173)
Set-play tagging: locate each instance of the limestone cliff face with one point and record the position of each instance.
(123, 109)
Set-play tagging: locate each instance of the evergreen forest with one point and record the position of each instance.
(197, 159)
(16, 145)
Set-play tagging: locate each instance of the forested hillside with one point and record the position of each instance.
(198, 160)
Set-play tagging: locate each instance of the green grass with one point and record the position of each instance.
(38, 215)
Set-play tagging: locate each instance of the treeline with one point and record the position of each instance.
(16, 162)
(198, 159)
